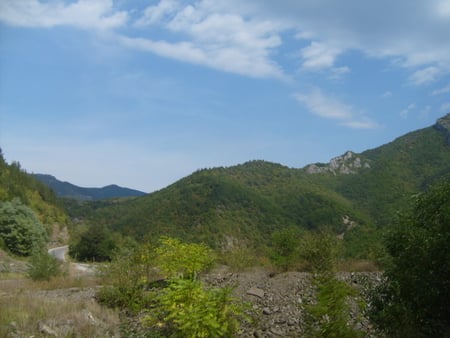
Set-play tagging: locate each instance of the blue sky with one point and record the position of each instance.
(142, 93)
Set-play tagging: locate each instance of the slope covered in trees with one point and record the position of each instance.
(248, 202)
(28, 209)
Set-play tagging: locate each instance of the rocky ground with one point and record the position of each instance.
(278, 300)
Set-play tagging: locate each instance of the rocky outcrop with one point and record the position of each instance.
(443, 126)
(349, 163)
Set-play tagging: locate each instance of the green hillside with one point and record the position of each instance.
(15, 183)
(354, 195)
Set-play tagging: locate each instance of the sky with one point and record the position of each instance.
(142, 93)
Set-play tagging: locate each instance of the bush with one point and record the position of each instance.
(330, 316)
(43, 266)
(285, 248)
(320, 251)
(126, 278)
(20, 229)
(186, 260)
(188, 309)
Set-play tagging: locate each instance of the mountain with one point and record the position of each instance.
(66, 189)
(355, 195)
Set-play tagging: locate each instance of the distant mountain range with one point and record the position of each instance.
(66, 189)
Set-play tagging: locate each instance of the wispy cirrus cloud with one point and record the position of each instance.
(330, 107)
(93, 14)
(425, 76)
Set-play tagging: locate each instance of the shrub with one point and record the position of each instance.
(188, 309)
(330, 316)
(125, 279)
(186, 260)
(320, 251)
(20, 229)
(285, 248)
(43, 266)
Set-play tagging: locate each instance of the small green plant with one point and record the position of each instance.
(188, 309)
(125, 279)
(43, 266)
(330, 316)
(186, 260)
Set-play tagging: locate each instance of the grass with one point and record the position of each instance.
(63, 306)
(28, 314)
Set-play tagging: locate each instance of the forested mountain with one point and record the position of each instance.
(354, 195)
(15, 183)
(66, 189)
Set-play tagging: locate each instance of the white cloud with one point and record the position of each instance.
(443, 90)
(319, 56)
(405, 112)
(220, 40)
(330, 107)
(157, 13)
(240, 34)
(425, 76)
(418, 39)
(227, 59)
(97, 14)
(386, 94)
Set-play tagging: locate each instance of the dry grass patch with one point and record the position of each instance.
(59, 313)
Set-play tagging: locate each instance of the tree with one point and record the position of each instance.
(20, 228)
(414, 299)
(94, 244)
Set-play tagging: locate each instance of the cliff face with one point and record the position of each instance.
(443, 125)
(349, 163)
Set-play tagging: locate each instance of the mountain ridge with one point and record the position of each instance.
(250, 201)
(67, 189)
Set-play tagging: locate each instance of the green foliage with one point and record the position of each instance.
(125, 279)
(414, 299)
(43, 266)
(191, 310)
(96, 243)
(20, 229)
(16, 183)
(285, 248)
(320, 251)
(330, 317)
(186, 260)
(181, 306)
